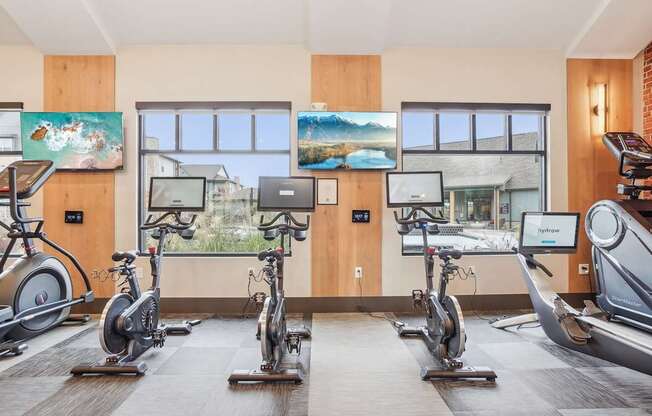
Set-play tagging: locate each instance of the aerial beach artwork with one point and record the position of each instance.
(74, 141)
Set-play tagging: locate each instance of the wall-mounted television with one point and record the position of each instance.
(74, 141)
(347, 140)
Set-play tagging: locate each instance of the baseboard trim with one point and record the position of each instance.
(235, 305)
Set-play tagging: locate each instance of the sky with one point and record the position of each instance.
(273, 132)
(418, 126)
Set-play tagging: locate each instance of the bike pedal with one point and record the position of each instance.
(158, 337)
(259, 298)
(112, 359)
(417, 298)
(293, 342)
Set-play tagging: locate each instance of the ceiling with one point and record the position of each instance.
(580, 28)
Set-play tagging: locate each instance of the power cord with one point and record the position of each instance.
(255, 298)
(362, 309)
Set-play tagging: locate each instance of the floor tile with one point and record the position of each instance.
(198, 361)
(567, 388)
(521, 356)
(635, 387)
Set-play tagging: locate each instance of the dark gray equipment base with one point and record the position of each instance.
(428, 373)
(253, 376)
(137, 368)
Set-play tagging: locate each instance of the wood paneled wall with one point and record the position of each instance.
(82, 83)
(347, 83)
(592, 170)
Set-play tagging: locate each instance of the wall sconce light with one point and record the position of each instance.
(600, 108)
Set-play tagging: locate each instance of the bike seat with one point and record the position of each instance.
(129, 256)
(449, 254)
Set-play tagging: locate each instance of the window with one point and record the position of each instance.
(493, 158)
(10, 151)
(229, 143)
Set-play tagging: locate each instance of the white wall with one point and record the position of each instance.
(210, 73)
(186, 73)
(21, 80)
(478, 75)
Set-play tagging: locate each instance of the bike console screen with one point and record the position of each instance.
(619, 142)
(549, 232)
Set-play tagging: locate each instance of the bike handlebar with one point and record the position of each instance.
(411, 217)
(178, 223)
(291, 222)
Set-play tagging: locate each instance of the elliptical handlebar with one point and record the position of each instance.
(177, 223)
(13, 201)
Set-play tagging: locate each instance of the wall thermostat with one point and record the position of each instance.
(74, 217)
(360, 215)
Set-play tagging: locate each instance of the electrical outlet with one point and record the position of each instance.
(583, 269)
(358, 272)
(471, 269)
(250, 272)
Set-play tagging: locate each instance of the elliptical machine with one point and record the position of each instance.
(443, 333)
(36, 291)
(619, 328)
(129, 324)
(285, 194)
(620, 233)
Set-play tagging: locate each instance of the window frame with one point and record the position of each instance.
(11, 107)
(16, 107)
(214, 107)
(473, 108)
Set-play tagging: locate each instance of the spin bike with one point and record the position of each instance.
(36, 291)
(443, 333)
(275, 337)
(129, 324)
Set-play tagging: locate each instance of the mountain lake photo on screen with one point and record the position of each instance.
(347, 140)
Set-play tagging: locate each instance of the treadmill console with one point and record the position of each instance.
(30, 176)
(619, 142)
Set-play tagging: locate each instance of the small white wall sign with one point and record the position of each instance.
(327, 191)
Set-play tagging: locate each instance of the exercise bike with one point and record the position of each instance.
(36, 291)
(129, 324)
(619, 327)
(444, 332)
(274, 335)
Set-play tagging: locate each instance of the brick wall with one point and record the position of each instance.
(647, 104)
(647, 93)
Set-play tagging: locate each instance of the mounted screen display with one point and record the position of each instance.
(347, 140)
(549, 232)
(177, 194)
(286, 193)
(407, 189)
